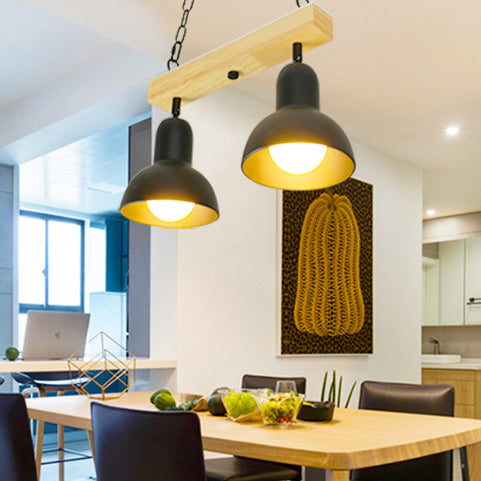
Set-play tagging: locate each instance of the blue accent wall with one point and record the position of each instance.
(116, 255)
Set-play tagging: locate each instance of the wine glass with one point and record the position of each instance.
(286, 386)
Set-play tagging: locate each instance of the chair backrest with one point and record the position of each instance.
(33, 378)
(409, 398)
(139, 445)
(253, 381)
(17, 462)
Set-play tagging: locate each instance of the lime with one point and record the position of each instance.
(156, 393)
(11, 353)
(163, 401)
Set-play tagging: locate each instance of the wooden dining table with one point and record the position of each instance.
(353, 439)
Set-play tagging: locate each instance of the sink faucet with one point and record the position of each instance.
(436, 346)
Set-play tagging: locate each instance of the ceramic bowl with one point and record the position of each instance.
(316, 411)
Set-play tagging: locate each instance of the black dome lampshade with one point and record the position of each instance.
(170, 192)
(297, 147)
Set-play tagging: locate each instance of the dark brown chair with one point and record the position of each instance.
(237, 468)
(254, 381)
(17, 461)
(409, 398)
(134, 445)
(43, 383)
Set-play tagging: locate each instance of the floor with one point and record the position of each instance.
(75, 470)
(84, 470)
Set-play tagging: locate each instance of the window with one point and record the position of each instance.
(98, 255)
(51, 262)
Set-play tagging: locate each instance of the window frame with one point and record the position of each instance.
(24, 307)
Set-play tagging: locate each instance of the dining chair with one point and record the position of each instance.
(17, 462)
(409, 398)
(131, 444)
(236, 468)
(43, 383)
(254, 381)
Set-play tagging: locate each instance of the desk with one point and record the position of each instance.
(354, 439)
(62, 365)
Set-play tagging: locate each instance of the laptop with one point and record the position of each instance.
(54, 334)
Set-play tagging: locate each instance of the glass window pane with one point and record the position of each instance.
(97, 259)
(64, 263)
(31, 260)
(22, 324)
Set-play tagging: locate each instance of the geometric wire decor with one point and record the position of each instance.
(108, 357)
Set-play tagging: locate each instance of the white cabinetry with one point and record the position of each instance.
(452, 283)
(473, 281)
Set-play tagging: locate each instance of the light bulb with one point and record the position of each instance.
(452, 130)
(170, 210)
(297, 157)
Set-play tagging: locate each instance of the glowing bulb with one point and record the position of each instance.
(170, 210)
(297, 157)
(452, 130)
(430, 212)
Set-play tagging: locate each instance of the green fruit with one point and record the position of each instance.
(187, 405)
(163, 401)
(215, 405)
(219, 390)
(239, 404)
(11, 353)
(156, 393)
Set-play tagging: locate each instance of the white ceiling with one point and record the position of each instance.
(395, 75)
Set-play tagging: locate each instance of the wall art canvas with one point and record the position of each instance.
(326, 270)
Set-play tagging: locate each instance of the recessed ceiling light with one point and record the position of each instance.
(430, 212)
(452, 130)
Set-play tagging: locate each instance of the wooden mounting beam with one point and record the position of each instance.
(257, 51)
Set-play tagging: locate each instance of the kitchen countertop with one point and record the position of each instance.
(466, 364)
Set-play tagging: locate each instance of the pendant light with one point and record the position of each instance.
(170, 192)
(298, 147)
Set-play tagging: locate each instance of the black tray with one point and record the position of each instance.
(316, 411)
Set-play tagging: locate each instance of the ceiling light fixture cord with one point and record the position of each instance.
(176, 107)
(180, 35)
(299, 5)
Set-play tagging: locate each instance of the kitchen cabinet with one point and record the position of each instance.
(473, 281)
(467, 385)
(452, 283)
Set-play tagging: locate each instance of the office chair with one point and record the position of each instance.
(134, 445)
(43, 383)
(236, 468)
(409, 398)
(17, 462)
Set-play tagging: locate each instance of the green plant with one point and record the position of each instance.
(333, 390)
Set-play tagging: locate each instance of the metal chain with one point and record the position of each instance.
(299, 5)
(180, 35)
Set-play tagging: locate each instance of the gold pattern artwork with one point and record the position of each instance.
(329, 297)
(327, 270)
(109, 363)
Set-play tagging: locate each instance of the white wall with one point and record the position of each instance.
(227, 271)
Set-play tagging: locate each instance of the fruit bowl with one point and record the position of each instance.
(241, 405)
(316, 411)
(279, 409)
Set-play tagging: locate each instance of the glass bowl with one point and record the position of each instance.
(241, 405)
(279, 409)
